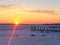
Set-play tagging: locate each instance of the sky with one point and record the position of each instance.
(30, 11)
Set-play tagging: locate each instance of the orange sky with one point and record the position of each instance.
(15, 14)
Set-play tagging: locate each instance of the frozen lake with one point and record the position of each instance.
(27, 37)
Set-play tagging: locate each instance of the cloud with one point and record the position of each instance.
(29, 10)
(5, 6)
(43, 11)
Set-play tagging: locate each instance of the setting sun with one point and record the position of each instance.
(16, 21)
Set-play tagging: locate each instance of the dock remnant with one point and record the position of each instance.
(48, 28)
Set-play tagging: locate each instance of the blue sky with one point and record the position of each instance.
(52, 5)
(47, 4)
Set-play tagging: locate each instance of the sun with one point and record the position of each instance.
(16, 21)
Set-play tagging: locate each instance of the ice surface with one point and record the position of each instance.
(24, 37)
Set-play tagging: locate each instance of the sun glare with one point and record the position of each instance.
(16, 21)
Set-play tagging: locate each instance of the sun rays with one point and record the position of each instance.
(12, 34)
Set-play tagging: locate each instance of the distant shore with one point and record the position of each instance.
(33, 24)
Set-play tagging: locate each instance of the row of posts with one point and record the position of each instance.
(46, 28)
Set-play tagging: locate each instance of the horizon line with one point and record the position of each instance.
(29, 24)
